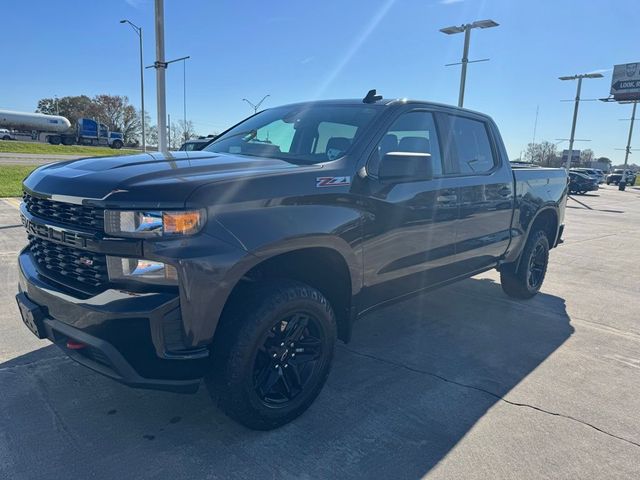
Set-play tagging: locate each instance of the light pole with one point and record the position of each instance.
(256, 106)
(184, 96)
(466, 28)
(161, 66)
(575, 109)
(138, 31)
(623, 180)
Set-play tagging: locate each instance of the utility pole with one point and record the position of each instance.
(575, 109)
(160, 66)
(466, 29)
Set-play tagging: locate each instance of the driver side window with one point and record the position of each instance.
(413, 132)
(278, 133)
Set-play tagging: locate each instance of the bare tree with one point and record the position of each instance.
(586, 157)
(187, 130)
(543, 153)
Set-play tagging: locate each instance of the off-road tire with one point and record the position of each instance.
(245, 325)
(516, 277)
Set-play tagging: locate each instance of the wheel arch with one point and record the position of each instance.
(323, 267)
(546, 219)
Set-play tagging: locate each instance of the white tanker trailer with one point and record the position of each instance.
(56, 129)
(33, 121)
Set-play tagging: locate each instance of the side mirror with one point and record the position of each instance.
(405, 167)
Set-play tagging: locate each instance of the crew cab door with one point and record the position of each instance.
(485, 191)
(409, 229)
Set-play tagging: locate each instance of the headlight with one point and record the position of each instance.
(148, 224)
(138, 269)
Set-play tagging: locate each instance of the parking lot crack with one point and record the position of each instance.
(490, 393)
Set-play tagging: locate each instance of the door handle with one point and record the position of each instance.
(447, 198)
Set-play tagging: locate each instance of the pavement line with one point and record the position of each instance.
(12, 202)
(487, 392)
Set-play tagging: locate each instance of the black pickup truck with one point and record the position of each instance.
(243, 263)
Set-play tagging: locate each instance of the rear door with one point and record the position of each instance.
(410, 227)
(485, 192)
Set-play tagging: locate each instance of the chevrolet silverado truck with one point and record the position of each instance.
(239, 266)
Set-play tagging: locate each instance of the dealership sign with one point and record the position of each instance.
(625, 82)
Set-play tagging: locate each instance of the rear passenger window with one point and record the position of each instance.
(472, 145)
(411, 132)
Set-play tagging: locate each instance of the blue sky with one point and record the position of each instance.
(303, 49)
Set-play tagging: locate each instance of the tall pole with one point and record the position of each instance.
(465, 61)
(184, 97)
(633, 118)
(573, 125)
(623, 180)
(168, 131)
(161, 66)
(144, 136)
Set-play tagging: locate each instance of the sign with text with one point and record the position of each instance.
(625, 82)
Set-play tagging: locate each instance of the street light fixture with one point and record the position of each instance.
(256, 106)
(466, 28)
(138, 31)
(575, 109)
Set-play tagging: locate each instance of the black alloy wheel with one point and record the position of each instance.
(288, 358)
(537, 266)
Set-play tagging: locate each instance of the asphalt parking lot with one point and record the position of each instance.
(458, 383)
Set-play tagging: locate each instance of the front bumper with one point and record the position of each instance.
(125, 333)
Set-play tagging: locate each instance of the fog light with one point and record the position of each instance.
(141, 270)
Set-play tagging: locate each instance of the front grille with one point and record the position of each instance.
(65, 213)
(69, 265)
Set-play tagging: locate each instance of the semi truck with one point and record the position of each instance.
(57, 130)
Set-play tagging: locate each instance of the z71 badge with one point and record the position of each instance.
(332, 181)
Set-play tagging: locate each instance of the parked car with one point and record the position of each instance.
(196, 144)
(616, 176)
(580, 183)
(6, 134)
(592, 173)
(243, 267)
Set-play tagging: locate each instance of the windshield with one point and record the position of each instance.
(300, 134)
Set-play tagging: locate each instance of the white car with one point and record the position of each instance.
(6, 134)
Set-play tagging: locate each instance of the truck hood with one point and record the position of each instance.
(149, 179)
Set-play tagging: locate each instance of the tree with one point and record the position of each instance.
(72, 108)
(586, 157)
(175, 136)
(112, 110)
(187, 130)
(116, 112)
(543, 153)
